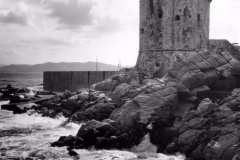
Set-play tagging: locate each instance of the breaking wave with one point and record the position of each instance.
(25, 135)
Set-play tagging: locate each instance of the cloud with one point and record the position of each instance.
(71, 13)
(15, 15)
(86, 16)
(10, 52)
(9, 55)
(55, 41)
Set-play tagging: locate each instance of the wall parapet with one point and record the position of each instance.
(59, 81)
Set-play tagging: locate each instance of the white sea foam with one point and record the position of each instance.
(43, 131)
(147, 150)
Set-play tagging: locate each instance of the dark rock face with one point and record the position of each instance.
(201, 131)
(211, 131)
(103, 135)
(99, 111)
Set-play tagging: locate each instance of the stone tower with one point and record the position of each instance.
(168, 28)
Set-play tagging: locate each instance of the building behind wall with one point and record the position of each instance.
(168, 28)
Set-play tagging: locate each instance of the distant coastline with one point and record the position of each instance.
(62, 66)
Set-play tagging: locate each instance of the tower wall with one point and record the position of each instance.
(168, 28)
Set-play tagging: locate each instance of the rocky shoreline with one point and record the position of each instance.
(118, 112)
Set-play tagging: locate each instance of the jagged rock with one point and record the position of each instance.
(106, 85)
(211, 131)
(182, 108)
(11, 88)
(102, 127)
(83, 96)
(70, 141)
(121, 92)
(154, 102)
(158, 102)
(125, 91)
(100, 111)
(130, 77)
(199, 89)
(232, 101)
(237, 155)
(159, 96)
(207, 131)
(126, 115)
(1, 96)
(70, 103)
(67, 94)
(115, 124)
(216, 149)
(188, 140)
(204, 106)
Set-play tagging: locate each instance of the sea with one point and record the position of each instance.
(28, 136)
(21, 79)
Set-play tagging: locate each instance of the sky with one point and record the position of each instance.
(39, 31)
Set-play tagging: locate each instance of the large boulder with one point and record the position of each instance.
(122, 91)
(130, 77)
(94, 129)
(126, 115)
(100, 111)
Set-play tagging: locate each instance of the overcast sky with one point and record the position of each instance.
(39, 31)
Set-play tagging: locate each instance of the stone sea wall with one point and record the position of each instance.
(59, 81)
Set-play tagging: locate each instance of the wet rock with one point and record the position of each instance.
(70, 141)
(1, 96)
(189, 140)
(121, 92)
(237, 155)
(18, 99)
(102, 143)
(100, 111)
(83, 96)
(171, 148)
(206, 131)
(215, 149)
(126, 115)
(96, 129)
(11, 88)
(49, 113)
(199, 89)
(115, 124)
(67, 94)
(57, 144)
(229, 153)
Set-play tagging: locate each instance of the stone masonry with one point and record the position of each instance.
(169, 28)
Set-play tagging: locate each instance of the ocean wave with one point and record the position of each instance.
(27, 136)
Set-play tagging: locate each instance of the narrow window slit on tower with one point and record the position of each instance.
(177, 17)
(198, 17)
(157, 64)
(142, 31)
(151, 6)
(160, 15)
(160, 12)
